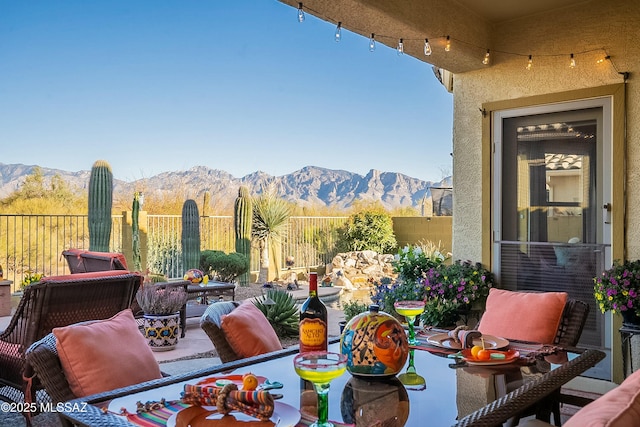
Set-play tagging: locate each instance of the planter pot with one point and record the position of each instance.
(161, 332)
(630, 319)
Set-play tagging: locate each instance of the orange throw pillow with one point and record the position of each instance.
(105, 355)
(524, 316)
(249, 332)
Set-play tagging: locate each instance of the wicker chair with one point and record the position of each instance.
(574, 317)
(211, 322)
(53, 302)
(42, 356)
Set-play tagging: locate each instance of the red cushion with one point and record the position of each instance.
(524, 316)
(619, 407)
(249, 332)
(105, 355)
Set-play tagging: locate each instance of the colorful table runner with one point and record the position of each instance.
(158, 417)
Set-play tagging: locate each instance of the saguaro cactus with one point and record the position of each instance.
(190, 235)
(242, 220)
(100, 201)
(135, 232)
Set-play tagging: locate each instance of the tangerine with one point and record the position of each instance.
(249, 382)
(475, 349)
(484, 355)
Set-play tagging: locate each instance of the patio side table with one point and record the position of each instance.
(626, 334)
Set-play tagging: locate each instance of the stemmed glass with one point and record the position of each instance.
(410, 378)
(320, 367)
(410, 310)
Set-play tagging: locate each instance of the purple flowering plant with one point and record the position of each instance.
(447, 289)
(618, 288)
(450, 290)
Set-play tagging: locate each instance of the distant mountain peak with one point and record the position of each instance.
(311, 185)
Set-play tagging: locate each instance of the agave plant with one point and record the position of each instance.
(281, 311)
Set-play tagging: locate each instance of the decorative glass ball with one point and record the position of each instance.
(196, 276)
(375, 344)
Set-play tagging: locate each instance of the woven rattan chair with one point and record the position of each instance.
(211, 322)
(42, 357)
(53, 302)
(574, 317)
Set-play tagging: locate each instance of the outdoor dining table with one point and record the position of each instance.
(453, 390)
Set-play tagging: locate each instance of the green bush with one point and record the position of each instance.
(223, 267)
(370, 229)
(353, 308)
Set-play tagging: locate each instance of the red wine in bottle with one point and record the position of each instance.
(313, 320)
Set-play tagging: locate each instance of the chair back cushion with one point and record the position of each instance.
(619, 407)
(105, 355)
(249, 332)
(524, 316)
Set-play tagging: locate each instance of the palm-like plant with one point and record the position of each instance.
(270, 223)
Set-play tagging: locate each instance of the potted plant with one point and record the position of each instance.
(618, 290)
(449, 290)
(161, 305)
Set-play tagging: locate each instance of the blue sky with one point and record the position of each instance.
(241, 86)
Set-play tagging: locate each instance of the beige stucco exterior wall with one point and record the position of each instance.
(616, 28)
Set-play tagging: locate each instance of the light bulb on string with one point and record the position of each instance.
(572, 63)
(486, 59)
(338, 35)
(530, 63)
(427, 48)
(372, 42)
(400, 47)
(300, 13)
(447, 46)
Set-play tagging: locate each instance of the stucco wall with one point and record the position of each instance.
(590, 26)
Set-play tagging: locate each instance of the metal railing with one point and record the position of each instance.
(34, 243)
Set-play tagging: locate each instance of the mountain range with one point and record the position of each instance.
(311, 185)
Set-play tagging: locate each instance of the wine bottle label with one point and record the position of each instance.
(313, 335)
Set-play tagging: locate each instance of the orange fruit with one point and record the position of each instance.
(484, 355)
(475, 349)
(249, 382)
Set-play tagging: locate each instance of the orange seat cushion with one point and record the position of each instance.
(249, 332)
(619, 407)
(105, 355)
(524, 316)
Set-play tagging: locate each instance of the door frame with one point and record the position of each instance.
(617, 167)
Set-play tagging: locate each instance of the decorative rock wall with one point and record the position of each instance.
(359, 269)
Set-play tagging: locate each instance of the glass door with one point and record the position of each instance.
(550, 183)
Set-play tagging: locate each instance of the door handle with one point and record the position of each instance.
(607, 213)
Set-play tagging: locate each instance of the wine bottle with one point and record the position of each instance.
(313, 320)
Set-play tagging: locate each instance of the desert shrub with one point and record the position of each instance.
(283, 315)
(370, 229)
(223, 267)
(164, 255)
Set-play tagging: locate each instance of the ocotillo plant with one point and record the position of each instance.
(242, 220)
(135, 232)
(190, 235)
(100, 201)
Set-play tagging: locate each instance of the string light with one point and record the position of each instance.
(448, 39)
(427, 48)
(486, 59)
